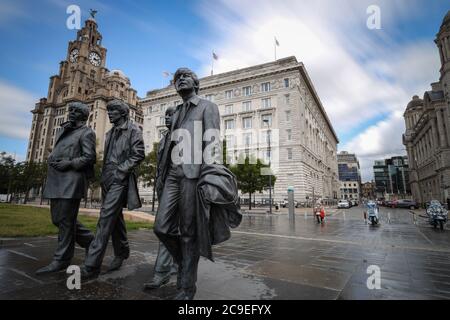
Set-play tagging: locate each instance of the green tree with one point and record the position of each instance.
(249, 177)
(7, 164)
(95, 181)
(146, 171)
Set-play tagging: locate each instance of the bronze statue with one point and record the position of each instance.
(70, 165)
(124, 150)
(184, 221)
(164, 265)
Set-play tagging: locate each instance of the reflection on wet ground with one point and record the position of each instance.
(266, 258)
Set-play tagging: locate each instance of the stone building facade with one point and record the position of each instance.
(368, 190)
(82, 77)
(427, 136)
(273, 102)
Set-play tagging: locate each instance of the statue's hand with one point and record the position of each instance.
(62, 165)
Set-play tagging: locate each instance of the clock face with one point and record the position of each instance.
(74, 55)
(94, 59)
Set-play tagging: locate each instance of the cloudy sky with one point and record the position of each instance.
(364, 77)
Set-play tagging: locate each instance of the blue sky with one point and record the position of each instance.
(364, 77)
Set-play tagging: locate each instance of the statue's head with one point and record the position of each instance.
(169, 115)
(78, 111)
(186, 80)
(117, 109)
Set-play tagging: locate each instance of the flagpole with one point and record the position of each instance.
(275, 47)
(212, 66)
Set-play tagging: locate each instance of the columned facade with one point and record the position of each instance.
(427, 136)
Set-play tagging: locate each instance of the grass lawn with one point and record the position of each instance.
(24, 221)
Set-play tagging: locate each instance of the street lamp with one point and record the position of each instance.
(266, 121)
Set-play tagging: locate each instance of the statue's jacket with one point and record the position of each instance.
(131, 145)
(78, 146)
(218, 207)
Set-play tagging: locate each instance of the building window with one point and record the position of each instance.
(289, 134)
(228, 94)
(176, 103)
(229, 109)
(288, 115)
(247, 123)
(247, 106)
(162, 120)
(247, 139)
(229, 139)
(209, 97)
(265, 87)
(247, 91)
(266, 103)
(289, 152)
(266, 117)
(287, 98)
(162, 107)
(286, 82)
(229, 124)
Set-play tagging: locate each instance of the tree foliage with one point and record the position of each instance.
(248, 174)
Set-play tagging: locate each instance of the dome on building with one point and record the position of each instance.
(117, 73)
(415, 102)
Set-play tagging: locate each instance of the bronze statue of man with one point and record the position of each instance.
(175, 222)
(124, 150)
(70, 165)
(164, 265)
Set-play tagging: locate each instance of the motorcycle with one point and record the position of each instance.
(437, 214)
(372, 212)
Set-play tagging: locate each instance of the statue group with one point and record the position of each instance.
(197, 194)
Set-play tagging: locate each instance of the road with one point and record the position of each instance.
(266, 258)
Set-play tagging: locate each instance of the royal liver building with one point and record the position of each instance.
(274, 102)
(83, 76)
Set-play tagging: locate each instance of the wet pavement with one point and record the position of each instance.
(266, 258)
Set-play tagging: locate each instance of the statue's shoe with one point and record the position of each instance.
(186, 294)
(115, 264)
(54, 266)
(157, 281)
(89, 272)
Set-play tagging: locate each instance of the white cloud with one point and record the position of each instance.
(359, 73)
(15, 107)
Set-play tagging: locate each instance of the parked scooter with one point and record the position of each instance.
(372, 212)
(437, 214)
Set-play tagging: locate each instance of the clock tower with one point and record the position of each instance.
(82, 76)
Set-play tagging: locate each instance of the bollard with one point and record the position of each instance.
(291, 204)
(389, 217)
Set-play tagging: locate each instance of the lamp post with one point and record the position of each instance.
(266, 121)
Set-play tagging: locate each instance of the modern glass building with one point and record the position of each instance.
(391, 177)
